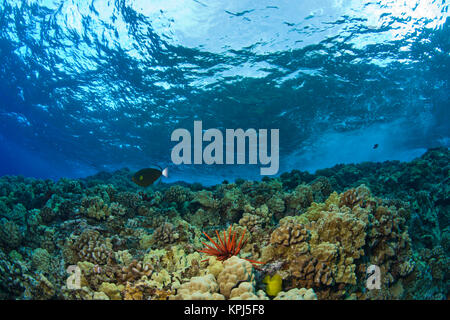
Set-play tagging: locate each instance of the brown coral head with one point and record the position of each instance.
(226, 246)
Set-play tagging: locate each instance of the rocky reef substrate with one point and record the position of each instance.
(319, 232)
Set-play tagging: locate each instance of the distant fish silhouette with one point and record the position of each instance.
(147, 176)
(375, 146)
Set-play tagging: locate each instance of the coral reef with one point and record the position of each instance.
(315, 235)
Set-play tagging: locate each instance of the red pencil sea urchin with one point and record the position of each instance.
(227, 246)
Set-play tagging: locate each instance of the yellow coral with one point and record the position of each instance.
(161, 279)
(100, 296)
(123, 257)
(215, 266)
(111, 290)
(132, 292)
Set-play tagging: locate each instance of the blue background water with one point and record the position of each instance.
(98, 85)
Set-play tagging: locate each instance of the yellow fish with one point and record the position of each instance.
(273, 284)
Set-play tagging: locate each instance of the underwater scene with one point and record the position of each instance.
(224, 150)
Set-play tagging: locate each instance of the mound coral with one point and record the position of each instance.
(235, 271)
(199, 288)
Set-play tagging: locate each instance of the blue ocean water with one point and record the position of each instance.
(95, 85)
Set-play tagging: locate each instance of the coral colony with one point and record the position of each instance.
(365, 231)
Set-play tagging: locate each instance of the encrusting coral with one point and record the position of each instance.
(314, 236)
